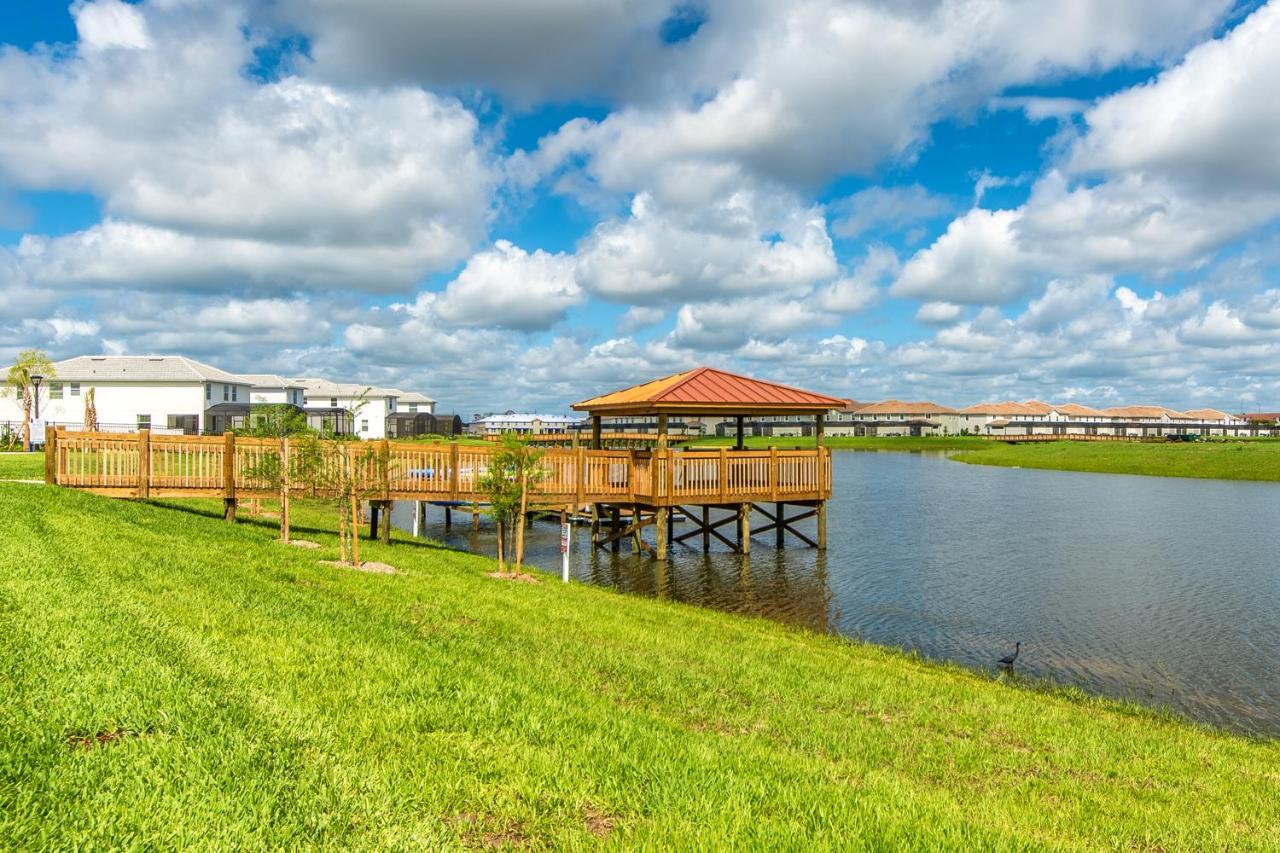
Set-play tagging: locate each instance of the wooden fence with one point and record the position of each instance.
(230, 466)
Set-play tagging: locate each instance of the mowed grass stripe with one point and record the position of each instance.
(1253, 459)
(299, 704)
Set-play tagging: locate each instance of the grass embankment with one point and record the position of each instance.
(1226, 460)
(843, 442)
(167, 679)
(21, 466)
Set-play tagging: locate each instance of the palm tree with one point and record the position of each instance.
(30, 362)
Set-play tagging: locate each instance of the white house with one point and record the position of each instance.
(359, 410)
(413, 402)
(524, 423)
(896, 417)
(269, 389)
(162, 393)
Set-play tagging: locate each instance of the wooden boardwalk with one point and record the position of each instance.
(152, 466)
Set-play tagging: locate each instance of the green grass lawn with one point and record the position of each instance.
(841, 442)
(1228, 460)
(168, 679)
(21, 466)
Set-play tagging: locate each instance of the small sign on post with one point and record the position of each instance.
(566, 538)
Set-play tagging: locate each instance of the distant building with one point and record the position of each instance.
(164, 393)
(524, 422)
(269, 389)
(348, 408)
(897, 417)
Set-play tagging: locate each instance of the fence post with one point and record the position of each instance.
(669, 455)
(384, 466)
(229, 476)
(723, 475)
(144, 463)
(51, 456)
(582, 473)
(773, 473)
(454, 479)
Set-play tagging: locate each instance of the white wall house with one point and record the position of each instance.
(331, 404)
(161, 393)
(413, 402)
(269, 389)
(524, 423)
(894, 417)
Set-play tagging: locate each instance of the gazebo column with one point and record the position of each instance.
(595, 432)
(739, 445)
(819, 427)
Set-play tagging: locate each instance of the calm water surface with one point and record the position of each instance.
(1165, 591)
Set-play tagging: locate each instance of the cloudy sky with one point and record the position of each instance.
(508, 204)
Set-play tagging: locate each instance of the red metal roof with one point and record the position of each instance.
(711, 390)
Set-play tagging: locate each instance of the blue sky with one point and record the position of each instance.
(956, 201)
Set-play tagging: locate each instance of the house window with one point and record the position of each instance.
(364, 426)
(75, 389)
(208, 392)
(144, 421)
(55, 390)
(226, 393)
(333, 402)
(235, 392)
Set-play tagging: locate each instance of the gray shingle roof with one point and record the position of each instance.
(324, 388)
(269, 380)
(141, 368)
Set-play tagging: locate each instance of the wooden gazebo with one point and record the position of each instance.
(739, 481)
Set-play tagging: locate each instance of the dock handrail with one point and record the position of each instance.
(147, 465)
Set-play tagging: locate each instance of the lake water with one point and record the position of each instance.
(1161, 590)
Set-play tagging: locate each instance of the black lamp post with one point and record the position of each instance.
(36, 379)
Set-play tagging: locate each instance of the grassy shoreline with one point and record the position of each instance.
(235, 692)
(1222, 460)
(848, 442)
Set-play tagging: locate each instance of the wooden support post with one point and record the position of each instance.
(448, 517)
(706, 529)
(780, 530)
(615, 524)
(739, 445)
(595, 432)
(773, 473)
(723, 475)
(595, 523)
(418, 513)
(581, 473)
(453, 470)
(822, 525)
(744, 528)
(144, 463)
(819, 427)
(51, 456)
(385, 529)
(229, 476)
(662, 432)
(663, 531)
(384, 469)
(373, 519)
(475, 518)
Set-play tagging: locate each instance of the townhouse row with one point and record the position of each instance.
(1032, 417)
(178, 395)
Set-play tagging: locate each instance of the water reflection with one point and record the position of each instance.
(1164, 591)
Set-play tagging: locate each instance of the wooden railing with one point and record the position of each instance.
(145, 465)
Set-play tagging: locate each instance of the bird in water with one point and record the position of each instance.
(1007, 660)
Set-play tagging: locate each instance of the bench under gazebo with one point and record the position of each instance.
(692, 482)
